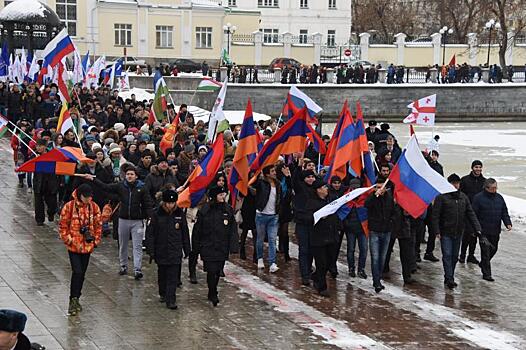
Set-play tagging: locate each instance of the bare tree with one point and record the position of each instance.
(464, 16)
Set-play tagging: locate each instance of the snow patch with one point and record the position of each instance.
(516, 208)
(22, 9)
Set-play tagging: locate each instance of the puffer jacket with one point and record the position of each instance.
(214, 235)
(491, 210)
(450, 213)
(135, 202)
(75, 215)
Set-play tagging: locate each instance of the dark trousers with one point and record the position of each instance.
(167, 278)
(41, 201)
(407, 256)
(333, 266)
(283, 234)
(487, 252)
(323, 256)
(468, 241)
(389, 252)
(418, 230)
(304, 254)
(213, 272)
(430, 242)
(79, 265)
(192, 263)
(243, 240)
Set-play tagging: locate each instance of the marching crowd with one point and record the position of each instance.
(129, 190)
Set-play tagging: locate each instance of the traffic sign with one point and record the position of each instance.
(347, 52)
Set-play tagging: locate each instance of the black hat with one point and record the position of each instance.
(453, 178)
(215, 190)
(169, 196)
(318, 183)
(475, 163)
(45, 133)
(41, 142)
(336, 178)
(373, 123)
(306, 173)
(85, 190)
(12, 321)
(385, 126)
(91, 155)
(160, 160)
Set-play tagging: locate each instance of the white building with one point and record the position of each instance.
(331, 18)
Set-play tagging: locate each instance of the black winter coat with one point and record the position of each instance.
(45, 183)
(491, 209)
(168, 237)
(401, 224)
(103, 174)
(325, 232)
(156, 180)
(380, 211)
(302, 192)
(450, 213)
(471, 185)
(135, 202)
(263, 188)
(214, 235)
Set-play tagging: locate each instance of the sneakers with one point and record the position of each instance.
(138, 275)
(51, 218)
(79, 307)
(362, 274)
(273, 268)
(261, 264)
(472, 260)
(123, 271)
(430, 257)
(72, 309)
(379, 288)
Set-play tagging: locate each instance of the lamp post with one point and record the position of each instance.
(490, 25)
(444, 32)
(229, 30)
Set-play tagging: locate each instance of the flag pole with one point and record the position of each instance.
(25, 144)
(78, 138)
(16, 127)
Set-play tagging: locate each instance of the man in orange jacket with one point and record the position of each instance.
(80, 228)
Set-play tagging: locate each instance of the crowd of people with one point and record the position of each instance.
(129, 189)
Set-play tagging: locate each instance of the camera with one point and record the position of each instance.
(87, 235)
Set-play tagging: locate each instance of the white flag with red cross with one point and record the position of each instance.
(422, 111)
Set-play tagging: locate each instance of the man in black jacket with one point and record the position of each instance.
(168, 238)
(491, 210)
(214, 237)
(160, 176)
(45, 188)
(471, 184)
(450, 213)
(135, 205)
(380, 209)
(323, 236)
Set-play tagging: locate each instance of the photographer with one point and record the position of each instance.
(80, 228)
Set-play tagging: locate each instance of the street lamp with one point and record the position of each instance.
(490, 25)
(229, 30)
(444, 31)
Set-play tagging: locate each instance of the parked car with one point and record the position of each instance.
(282, 62)
(186, 65)
(131, 63)
(364, 64)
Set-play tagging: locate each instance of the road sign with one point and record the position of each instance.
(347, 52)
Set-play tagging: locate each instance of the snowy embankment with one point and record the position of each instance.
(516, 208)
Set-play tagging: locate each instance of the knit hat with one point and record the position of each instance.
(150, 147)
(92, 128)
(190, 148)
(114, 148)
(109, 141)
(145, 128)
(119, 127)
(475, 163)
(160, 160)
(91, 155)
(355, 183)
(202, 147)
(91, 138)
(318, 184)
(215, 190)
(129, 138)
(169, 196)
(306, 173)
(145, 137)
(453, 178)
(12, 321)
(95, 146)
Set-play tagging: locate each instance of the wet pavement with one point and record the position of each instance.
(257, 310)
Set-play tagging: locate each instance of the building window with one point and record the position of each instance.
(163, 36)
(304, 34)
(232, 3)
(331, 38)
(123, 34)
(332, 4)
(304, 4)
(270, 36)
(67, 12)
(203, 37)
(268, 3)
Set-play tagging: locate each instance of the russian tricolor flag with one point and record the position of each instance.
(58, 48)
(296, 100)
(416, 183)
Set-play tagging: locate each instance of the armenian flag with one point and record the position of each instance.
(344, 146)
(203, 175)
(60, 161)
(361, 211)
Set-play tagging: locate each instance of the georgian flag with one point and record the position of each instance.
(422, 111)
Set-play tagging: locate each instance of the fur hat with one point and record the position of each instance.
(169, 196)
(114, 148)
(12, 321)
(215, 190)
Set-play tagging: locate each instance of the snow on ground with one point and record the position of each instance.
(516, 208)
(140, 94)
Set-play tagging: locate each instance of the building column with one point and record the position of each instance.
(400, 43)
(436, 39)
(142, 32)
(509, 49)
(258, 46)
(287, 43)
(364, 46)
(317, 47)
(473, 48)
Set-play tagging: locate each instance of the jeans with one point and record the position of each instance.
(378, 244)
(351, 245)
(135, 228)
(79, 265)
(304, 254)
(450, 247)
(267, 224)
